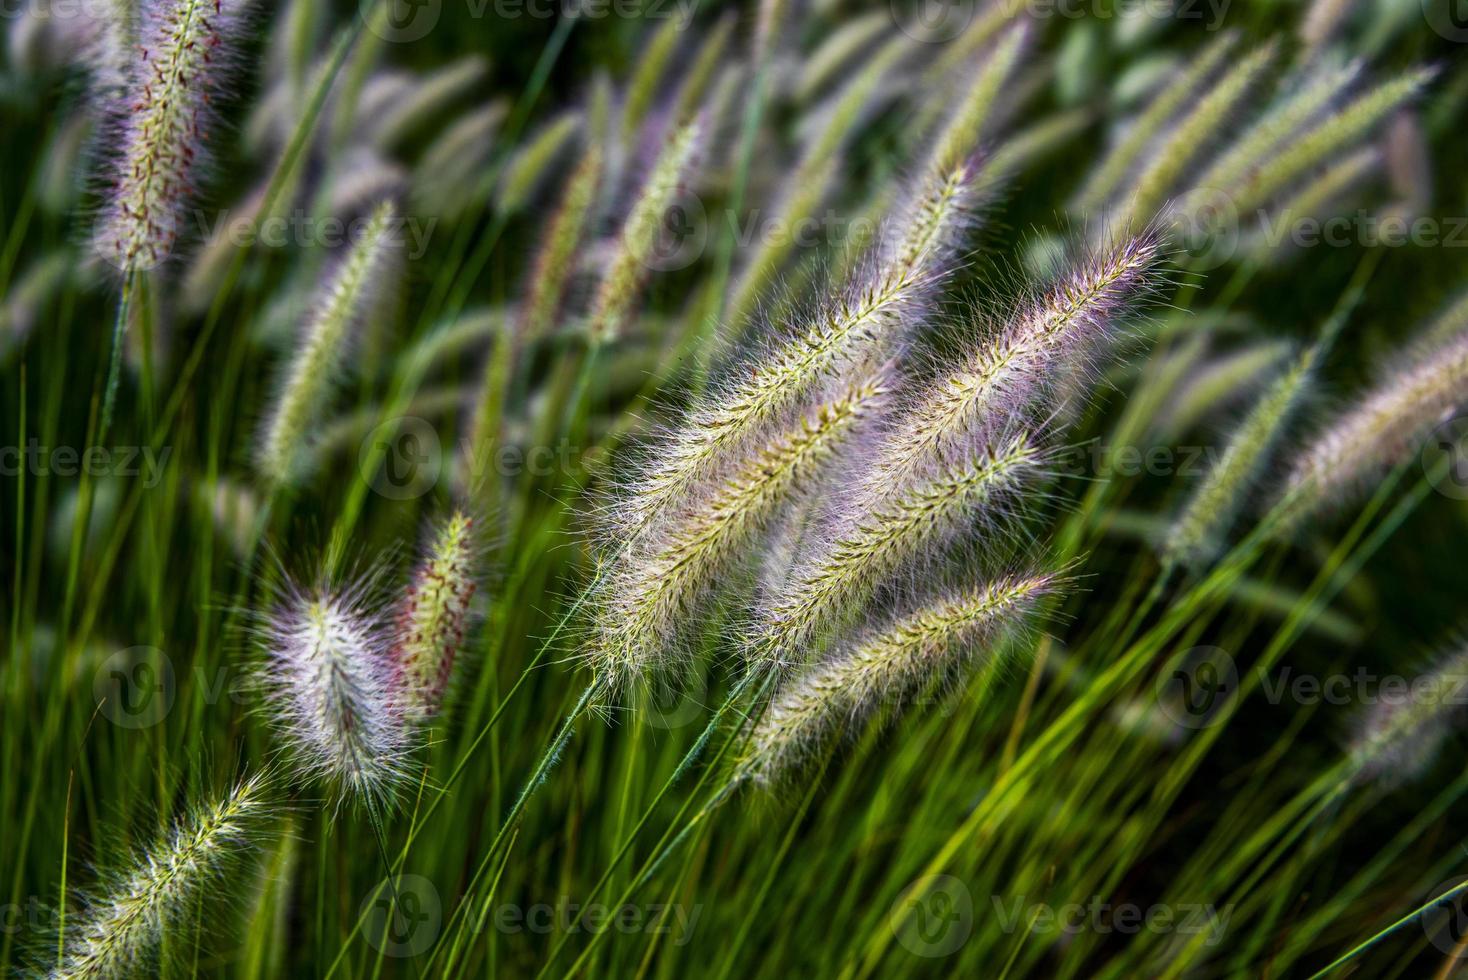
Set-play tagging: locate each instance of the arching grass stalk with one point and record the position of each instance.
(1348, 556)
(689, 758)
(673, 837)
(1445, 899)
(548, 760)
(114, 368)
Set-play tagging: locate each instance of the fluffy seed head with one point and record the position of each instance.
(330, 690)
(1201, 528)
(877, 540)
(433, 616)
(858, 328)
(636, 253)
(1398, 738)
(1007, 378)
(885, 668)
(162, 126)
(657, 585)
(1388, 424)
(525, 172)
(311, 374)
(120, 931)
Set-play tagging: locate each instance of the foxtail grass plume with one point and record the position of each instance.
(163, 125)
(1199, 532)
(526, 171)
(123, 925)
(1383, 429)
(1397, 739)
(1195, 131)
(649, 77)
(551, 275)
(555, 259)
(1217, 383)
(654, 588)
(838, 51)
(703, 71)
(331, 692)
(873, 541)
(1324, 141)
(813, 176)
(426, 98)
(635, 256)
(977, 108)
(312, 373)
(433, 617)
(1128, 154)
(1008, 377)
(1318, 198)
(859, 327)
(1265, 137)
(885, 669)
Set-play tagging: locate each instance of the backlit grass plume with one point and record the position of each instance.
(1399, 735)
(313, 372)
(433, 616)
(1386, 425)
(1201, 528)
(654, 588)
(872, 540)
(331, 691)
(636, 256)
(860, 325)
(1008, 376)
(161, 895)
(163, 126)
(885, 669)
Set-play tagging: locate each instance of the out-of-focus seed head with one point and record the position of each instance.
(162, 126)
(433, 617)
